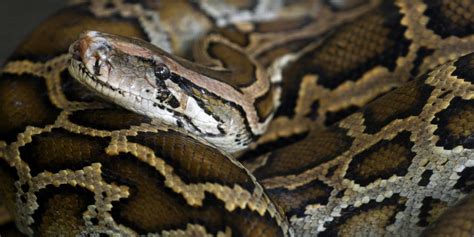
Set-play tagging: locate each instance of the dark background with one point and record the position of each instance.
(19, 17)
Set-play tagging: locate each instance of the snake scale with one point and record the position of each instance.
(363, 127)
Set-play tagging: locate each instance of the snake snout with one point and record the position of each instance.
(74, 50)
(87, 45)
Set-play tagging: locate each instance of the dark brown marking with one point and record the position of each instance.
(318, 147)
(281, 142)
(23, 102)
(450, 18)
(374, 39)
(264, 105)
(43, 43)
(373, 215)
(294, 202)
(234, 35)
(345, 5)
(268, 56)
(60, 211)
(401, 103)
(60, 150)
(8, 177)
(107, 119)
(382, 160)
(334, 117)
(282, 25)
(243, 4)
(243, 70)
(465, 68)
(152, 207)
(456, 124)
(192, 160)
(458, 220)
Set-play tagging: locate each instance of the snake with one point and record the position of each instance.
(241, 118)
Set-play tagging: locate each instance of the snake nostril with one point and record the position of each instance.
(76, 55)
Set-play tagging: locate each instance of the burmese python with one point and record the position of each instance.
(358, 145)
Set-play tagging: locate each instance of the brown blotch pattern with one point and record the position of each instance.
(346, 4)
(377, 218)
(462, 124)
(456, 124)
(107, 119)
(23, 102)
(465, 68)
(370, 218)
(384, 159)
(450, 17)
(152, 207)
(294, 202)
(60, 149)
(233, 34)
(8, 176)
(401, 103)
(242, 4)
(282, 25)
(57, 203)
(268, 56)
(194, 161)
(318, 147)
(46, 42)
(374, 39)
(264, 105)
(353, 40)
(243, 70)
(456, 221)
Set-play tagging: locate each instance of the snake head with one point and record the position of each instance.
(127, 71)
(143, 78)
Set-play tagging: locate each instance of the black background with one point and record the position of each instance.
(19, 17)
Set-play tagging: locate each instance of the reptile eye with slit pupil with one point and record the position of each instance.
(162, 71)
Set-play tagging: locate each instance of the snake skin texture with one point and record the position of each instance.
(373, 136)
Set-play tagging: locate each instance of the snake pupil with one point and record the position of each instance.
(162, 71)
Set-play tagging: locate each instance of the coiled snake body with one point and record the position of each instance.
(331, 118)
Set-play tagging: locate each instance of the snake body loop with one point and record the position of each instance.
(241, 118)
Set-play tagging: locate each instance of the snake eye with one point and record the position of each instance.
(162, 71)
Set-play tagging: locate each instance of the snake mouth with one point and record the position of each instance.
(79, 71)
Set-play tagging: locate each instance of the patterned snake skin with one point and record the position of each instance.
(373, 137)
